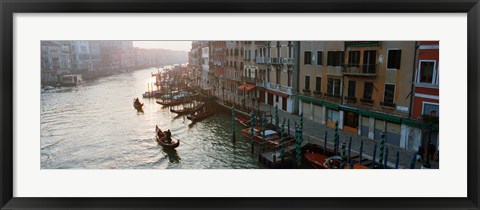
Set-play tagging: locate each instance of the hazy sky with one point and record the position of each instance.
(171, 45)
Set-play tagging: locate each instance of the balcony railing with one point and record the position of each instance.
(367, 101)
(387, 104)
(248, 79)
(282, 60)
(360, 70)
(287, 60)
(285, 89)
(276, 60)
(351, 99)
(260, 60)
(307, 91)
(317, 93)
(275, 87)
(261, 83)
(331, 95)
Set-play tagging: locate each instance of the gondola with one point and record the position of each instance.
(198, 116)
(161, 140)
(138, 106)
(186, 110)
(181, 111)
(174, 102)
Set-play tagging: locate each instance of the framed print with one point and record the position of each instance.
(239, 105)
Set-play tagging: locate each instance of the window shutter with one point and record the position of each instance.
(398, 56)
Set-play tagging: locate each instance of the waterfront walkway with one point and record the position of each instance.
(314, 132)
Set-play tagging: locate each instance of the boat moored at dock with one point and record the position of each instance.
(72, 80)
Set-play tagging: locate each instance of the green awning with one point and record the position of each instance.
(331, 105)
(414, 123)
(382, 116)
(311, 100)
(410, 122)
(349, 109)
(362, 44)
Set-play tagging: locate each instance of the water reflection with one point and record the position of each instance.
(95, 126)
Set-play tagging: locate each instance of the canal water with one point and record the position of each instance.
(94, 126)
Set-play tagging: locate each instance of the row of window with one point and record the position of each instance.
(334, 90)
(426, 72)
(234, 64)
(337, 58)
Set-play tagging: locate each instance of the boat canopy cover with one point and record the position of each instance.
(270, 132)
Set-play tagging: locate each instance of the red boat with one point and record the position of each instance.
(272, 138)
(320, 161)
(244, 121)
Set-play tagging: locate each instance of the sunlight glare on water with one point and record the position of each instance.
(94, 126)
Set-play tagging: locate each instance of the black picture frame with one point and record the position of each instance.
(10, 7)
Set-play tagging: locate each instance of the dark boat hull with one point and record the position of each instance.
(173, 103)
(186, 110)
(196, 118)
(173, 145)
(317, 160)
(138, 107)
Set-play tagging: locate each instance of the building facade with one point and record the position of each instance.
(217, 66)
(51, 56)
(364, 86)
(368, 87)
(81, 57)
(277, 66)
(426, 85)
(205, 68)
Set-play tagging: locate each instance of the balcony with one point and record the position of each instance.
(205, 67)
(332, 95)
(387, 104)
(261, 84)
(366, 101)
(268, 60)
(288, 61)
(285, 89)
(276, 87)
(249, 79)
(276, 60)
(369, 70)
(281, 61)
(260, 60)
(351, 99)
(264, 60)
(306, 91)
(317, 93)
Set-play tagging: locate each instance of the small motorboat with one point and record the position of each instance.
(321, 161)
(244, 121)
(162, 139)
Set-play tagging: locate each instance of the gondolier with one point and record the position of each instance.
(165, 139)
(137, 105)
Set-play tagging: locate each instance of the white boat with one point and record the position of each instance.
(72, 80)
